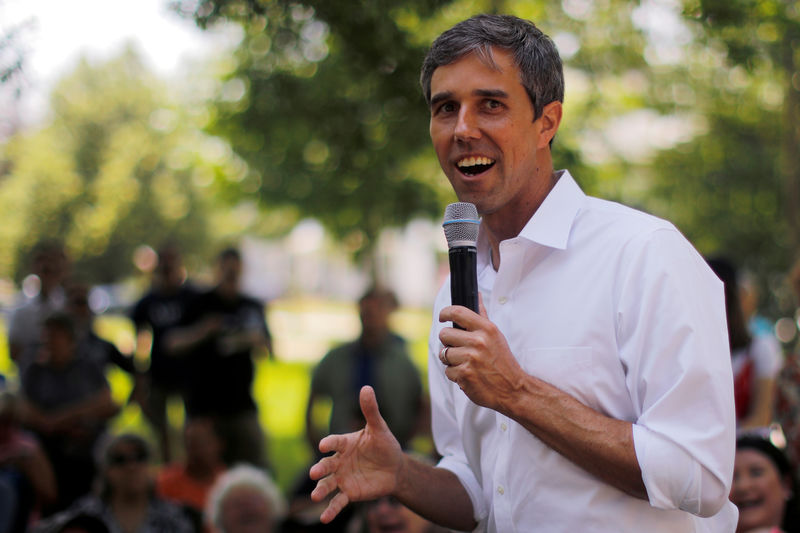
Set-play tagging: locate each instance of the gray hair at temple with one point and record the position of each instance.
(534, 53)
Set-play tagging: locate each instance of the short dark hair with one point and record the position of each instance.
(534, 53)
(229, 253)
(60, 321)
(380, 292)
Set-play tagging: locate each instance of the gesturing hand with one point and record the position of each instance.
(478, 358)
(365, 466)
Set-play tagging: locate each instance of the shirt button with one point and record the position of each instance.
(503, 426)
(501, 490)
(502, 300)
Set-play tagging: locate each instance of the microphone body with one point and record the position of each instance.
(461, 230)
(463, 276)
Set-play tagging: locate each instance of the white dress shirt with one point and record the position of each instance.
(616, 308)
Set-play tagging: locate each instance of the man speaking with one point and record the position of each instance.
(593, 391)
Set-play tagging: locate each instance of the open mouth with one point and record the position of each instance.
(748, 504)
(472, 166)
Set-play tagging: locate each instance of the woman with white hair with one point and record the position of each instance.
(244, 500)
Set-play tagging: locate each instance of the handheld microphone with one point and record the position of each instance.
(461, 231)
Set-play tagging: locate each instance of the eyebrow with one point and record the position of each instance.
(491, 93)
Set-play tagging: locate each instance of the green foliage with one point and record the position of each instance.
(116, 168)
(327, 111)
(733, 189)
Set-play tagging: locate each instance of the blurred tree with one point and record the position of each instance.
(763, 37)
(735, 187)
(324, 105)
(12, 62)
(119, 166)
(324, 101)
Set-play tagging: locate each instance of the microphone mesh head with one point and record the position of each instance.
(461, 224)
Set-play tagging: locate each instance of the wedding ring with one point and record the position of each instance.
(443, 356)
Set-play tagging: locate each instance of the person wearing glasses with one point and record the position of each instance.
(126, 500)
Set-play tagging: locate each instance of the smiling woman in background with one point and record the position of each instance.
(763, 488)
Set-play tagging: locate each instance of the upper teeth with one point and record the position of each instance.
(472, 161)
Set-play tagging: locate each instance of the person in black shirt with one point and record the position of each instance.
(220, 334)
(158, 312)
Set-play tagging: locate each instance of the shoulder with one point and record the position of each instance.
(169, 473)
(250, 302)
(643, 243)
(339, 352)
(167, 518)
(623, 221)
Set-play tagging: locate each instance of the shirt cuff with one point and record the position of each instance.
(470, 483)
(673, 479)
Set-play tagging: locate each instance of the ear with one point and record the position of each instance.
(550, 120)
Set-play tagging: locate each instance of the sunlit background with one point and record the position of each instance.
(297, 131)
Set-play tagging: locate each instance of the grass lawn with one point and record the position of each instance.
(303, 330)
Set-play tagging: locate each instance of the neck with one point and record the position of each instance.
(202, 471)
(130, 501)
(373, 338)
(507, 223)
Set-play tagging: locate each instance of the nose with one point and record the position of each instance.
(467, 127)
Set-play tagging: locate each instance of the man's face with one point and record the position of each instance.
(59, 345)
(229, 272)
(483, 132)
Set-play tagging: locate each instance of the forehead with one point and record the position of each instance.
(474, 69)
(750, 457)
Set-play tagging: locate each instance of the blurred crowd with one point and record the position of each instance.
(63, 470)
(62, 467)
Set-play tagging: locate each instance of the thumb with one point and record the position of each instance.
(369, 407)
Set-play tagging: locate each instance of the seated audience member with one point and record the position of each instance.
(126, 501)
(26, 476)
(387, 515)
(756, 361)
(84, 523)
(98, 350)
(244, 500)
(188, 483)
(763, 488)
(66, 402)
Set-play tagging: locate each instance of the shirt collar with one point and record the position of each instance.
(551, 224)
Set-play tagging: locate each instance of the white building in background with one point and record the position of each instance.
(411, 260)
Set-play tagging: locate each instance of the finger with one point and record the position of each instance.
(464, 317)
(324, 487)
(324, 467)
(451, 373)
(331, 443)
(334, 508)
(453, 337)
(369, 406)
(443, 355)
(481, 308)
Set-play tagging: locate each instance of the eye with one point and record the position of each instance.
(445, 107)
(492, 104)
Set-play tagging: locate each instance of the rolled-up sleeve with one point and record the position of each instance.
(673, 340)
